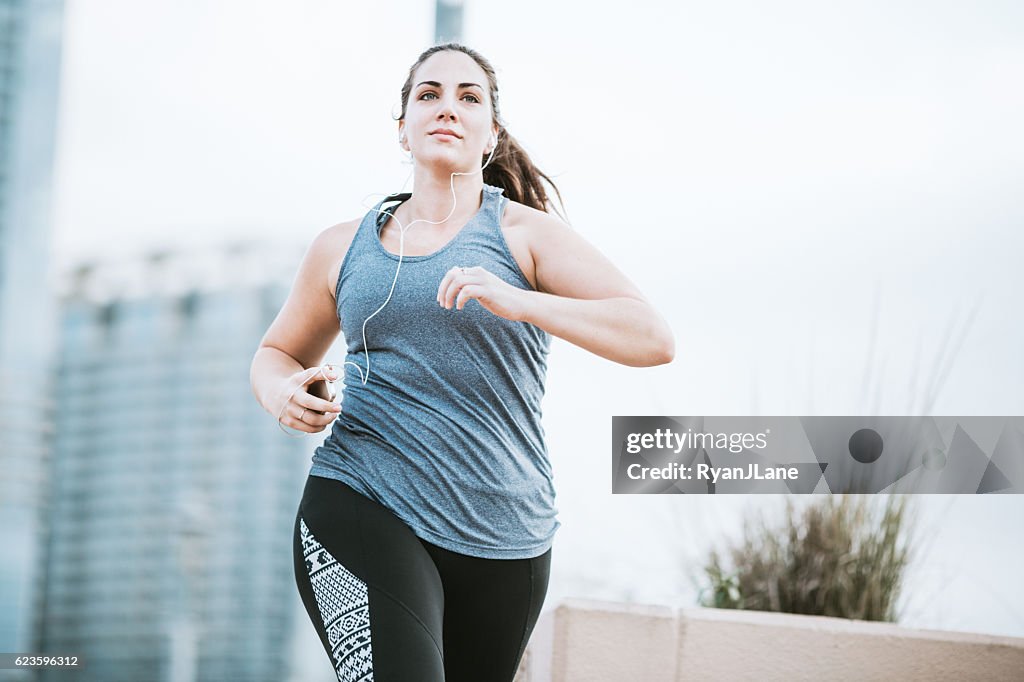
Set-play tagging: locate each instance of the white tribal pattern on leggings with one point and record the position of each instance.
(344, 607)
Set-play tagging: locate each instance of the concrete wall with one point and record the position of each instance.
(590, 641)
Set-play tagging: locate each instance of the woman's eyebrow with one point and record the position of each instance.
(435, 84)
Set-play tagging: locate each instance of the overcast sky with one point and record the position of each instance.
(786, 181)
(752, 168)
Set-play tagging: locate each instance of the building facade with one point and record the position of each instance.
(30, 59)
(174, 494)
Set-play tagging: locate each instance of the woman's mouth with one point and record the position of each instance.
(445, 134)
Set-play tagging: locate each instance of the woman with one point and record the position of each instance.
(423, 537)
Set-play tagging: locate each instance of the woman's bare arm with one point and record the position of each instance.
(581, 296)
(304, 328)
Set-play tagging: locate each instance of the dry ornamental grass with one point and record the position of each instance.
(842, 556)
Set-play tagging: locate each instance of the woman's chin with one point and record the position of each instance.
(445, 163)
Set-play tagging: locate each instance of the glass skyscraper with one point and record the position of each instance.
(30, 58)
(174, 494)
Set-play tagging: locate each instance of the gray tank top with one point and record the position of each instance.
(447, 431)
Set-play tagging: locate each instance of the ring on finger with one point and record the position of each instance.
(304, 410)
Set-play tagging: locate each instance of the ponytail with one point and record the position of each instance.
(512, 170)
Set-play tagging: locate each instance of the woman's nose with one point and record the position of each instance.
(447, 109)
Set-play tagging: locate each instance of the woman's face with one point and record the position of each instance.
(449, 93)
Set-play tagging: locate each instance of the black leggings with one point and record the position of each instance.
(390, 607)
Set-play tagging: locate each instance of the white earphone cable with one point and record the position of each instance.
(365, 376)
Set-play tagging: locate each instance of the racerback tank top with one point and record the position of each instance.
(447, 431)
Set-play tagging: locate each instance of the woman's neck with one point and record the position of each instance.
(432, 197)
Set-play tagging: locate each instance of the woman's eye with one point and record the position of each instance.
(432, 95)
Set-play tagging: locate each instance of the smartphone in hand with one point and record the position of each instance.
(323, 389)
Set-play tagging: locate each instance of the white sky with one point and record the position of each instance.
(772, 175)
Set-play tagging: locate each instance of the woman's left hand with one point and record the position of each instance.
(499, 297)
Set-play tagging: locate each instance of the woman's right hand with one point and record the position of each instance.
(301, 410)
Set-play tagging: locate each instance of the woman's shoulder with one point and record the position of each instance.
(530, 227)
(342, 232)
(333, 244)
(523, 227)
(526, 218)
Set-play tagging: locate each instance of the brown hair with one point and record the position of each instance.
(510, 167)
